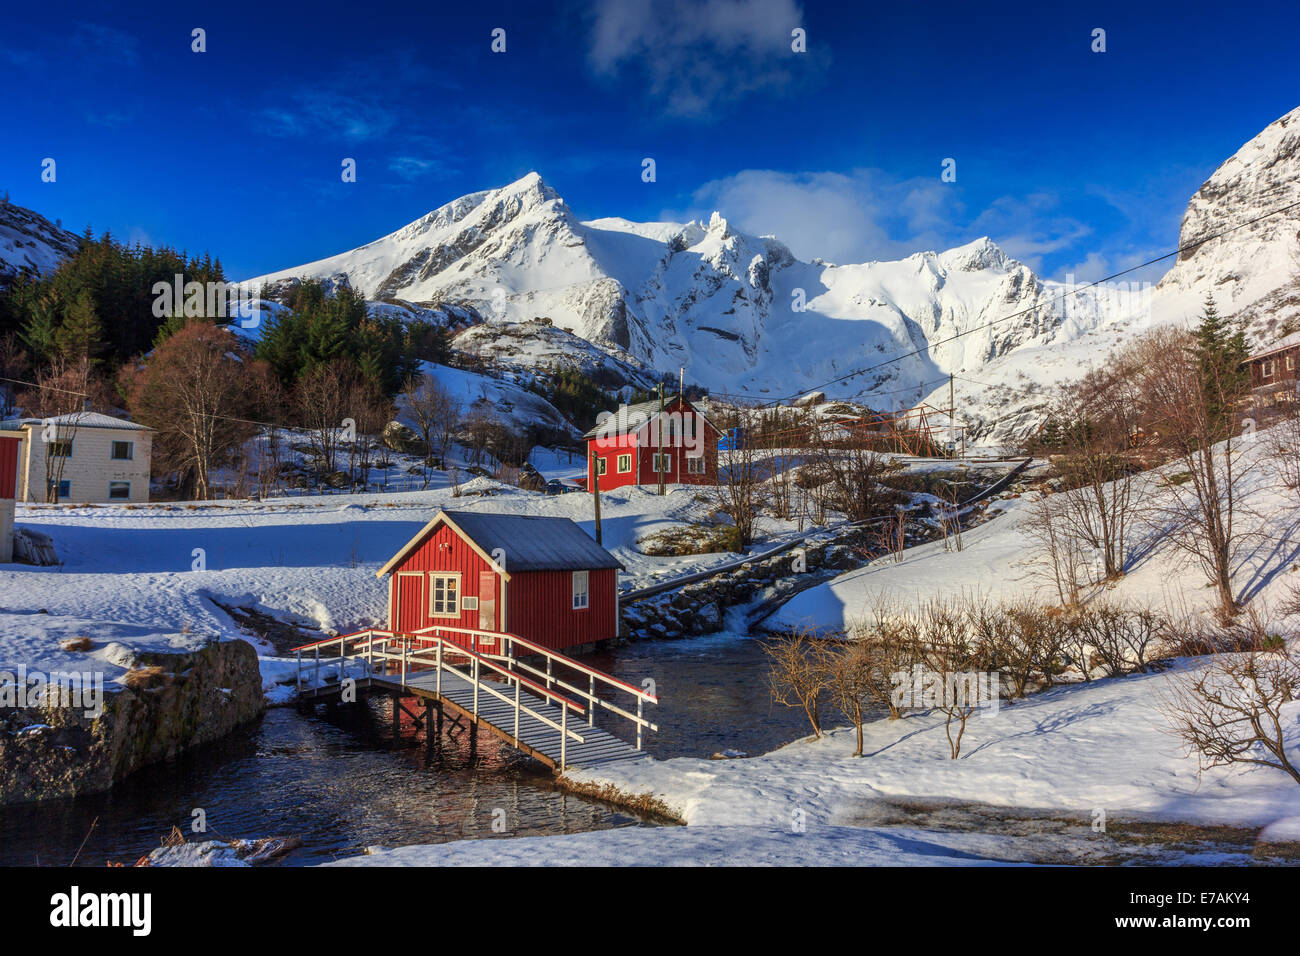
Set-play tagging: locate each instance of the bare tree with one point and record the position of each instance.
(1230, 712)
(742, 492)
(194, 392)
(797, 674)
(322, 401)
(435, 412)
(1201, 501)
(1047, 528)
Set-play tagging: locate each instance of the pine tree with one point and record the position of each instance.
(80, 335)
(1221, 351)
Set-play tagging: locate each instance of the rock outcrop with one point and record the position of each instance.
(177, 701)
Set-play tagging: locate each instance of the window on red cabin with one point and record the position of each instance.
(602, 465)
(444, 595)
(1267, 368)
(663, 463)
(696, 465)
(581, 593)
(624, 464)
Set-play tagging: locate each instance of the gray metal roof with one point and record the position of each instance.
(79, 420)
(533, 543)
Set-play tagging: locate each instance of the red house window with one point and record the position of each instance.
(581, 590)
(444, 595)
(695, 466)
(624, 464)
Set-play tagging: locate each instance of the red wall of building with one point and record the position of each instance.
(444, 550)
(539, 603)
(611, 448)
(541, 608)
(8, 466)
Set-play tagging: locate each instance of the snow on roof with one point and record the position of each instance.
(1282, 344)
(636, 416)
(79, 420)
(528, 543)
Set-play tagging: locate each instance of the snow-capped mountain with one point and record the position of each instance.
(740, 313)
(30, 243)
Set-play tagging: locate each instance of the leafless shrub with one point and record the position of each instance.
(1230, 712)
(797, 674)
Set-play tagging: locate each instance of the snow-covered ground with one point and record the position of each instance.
(1085, 752)
(141, 575)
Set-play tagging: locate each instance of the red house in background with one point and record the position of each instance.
(543, 579)
(1274, 373)
(630, 446)
(9, 442)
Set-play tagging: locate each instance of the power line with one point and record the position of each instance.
(1036, 308)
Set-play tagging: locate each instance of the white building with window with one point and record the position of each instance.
(83, 458)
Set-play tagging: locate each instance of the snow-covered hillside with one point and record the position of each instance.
(739, 312)
(30, 243)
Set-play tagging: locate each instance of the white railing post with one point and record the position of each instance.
(564, 735)
(298, 681)
(370, 652)
(317, 675)
(591, 700)
(518, 684)
(476, 688)
(404, 662)
(438, 661)
(639, 726)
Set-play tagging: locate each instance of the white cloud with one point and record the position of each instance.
(868, 214)
(697, 54)
(839, 217)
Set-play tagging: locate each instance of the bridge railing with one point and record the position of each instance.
(410, 650)
(508, 645)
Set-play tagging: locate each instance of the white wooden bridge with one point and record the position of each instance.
(537, 700)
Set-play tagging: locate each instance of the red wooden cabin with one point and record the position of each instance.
(630, 445)
(543, 579)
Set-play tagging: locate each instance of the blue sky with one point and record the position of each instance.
(1076, 162)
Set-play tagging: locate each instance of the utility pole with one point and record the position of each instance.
(595, 492)
(659, 437)
(952, 419)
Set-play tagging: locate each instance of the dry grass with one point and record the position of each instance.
(80, 643)
(645, 803)
(143, 678)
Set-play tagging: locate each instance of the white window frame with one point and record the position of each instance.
(130, 450)
(1267, 370)
(581, 590)
(434, 578)
(696, 465)
(126, 497)
(624, 458)
(1290, 363)
(661, 458)
(602, 466)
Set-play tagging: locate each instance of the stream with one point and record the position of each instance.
(340, 786)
